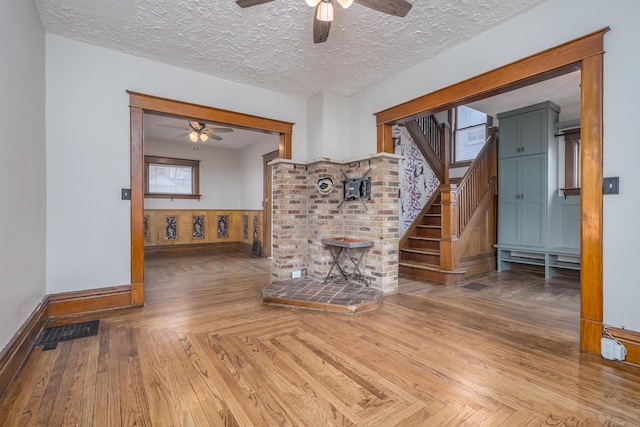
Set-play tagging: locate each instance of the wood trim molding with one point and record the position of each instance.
(195, 248)
(137, 207)
(89, 301)
(169, 106)
(631, 341)
(541, 66)
(17, 351)
(585, 54)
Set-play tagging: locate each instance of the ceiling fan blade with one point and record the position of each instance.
(169, 126)
(216, 137)
(320, 28)
(218, 130)
(392, 7)
(249, 3)
(183, 134)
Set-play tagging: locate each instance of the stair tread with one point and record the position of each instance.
(429, 226)
(421, 251)
(427, 239)
(427, 266)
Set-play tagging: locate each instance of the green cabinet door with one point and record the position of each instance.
(534, 201)
(522, 202)
(523, 134)
(509, 205)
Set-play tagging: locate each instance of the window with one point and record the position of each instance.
(171, 178)
(470, 130)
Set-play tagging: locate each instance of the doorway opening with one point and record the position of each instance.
(584, 54)
(140, 105)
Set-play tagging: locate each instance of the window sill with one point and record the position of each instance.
(570, 192)
(171, 196)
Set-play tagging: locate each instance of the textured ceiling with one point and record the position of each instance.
(271, 45)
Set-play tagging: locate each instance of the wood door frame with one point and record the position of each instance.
(585, 54)
(138, 105)
(267, 202)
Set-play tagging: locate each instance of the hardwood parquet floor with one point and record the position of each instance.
(205, 351)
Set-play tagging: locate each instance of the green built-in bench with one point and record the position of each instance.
(550, 258)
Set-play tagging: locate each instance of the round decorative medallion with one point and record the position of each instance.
(324, 185)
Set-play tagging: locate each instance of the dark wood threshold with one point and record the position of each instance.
(15, 354)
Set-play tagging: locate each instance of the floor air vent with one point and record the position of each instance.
(50, 337)
(475, 286)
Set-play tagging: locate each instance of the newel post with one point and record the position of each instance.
(449, 245)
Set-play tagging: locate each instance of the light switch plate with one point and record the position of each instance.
(611, 185)
(126, 194)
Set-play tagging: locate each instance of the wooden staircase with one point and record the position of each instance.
(453, 236)
(420, 251)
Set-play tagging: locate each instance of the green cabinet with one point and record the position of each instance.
(524, 186)
(522, 200)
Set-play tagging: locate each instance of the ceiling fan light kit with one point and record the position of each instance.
(345, 3)
(324, 11)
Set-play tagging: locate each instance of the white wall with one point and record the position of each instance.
(88, 242)
(536, 30)
(219, 175)
(22, 165)
(328, 131)
(252, 172)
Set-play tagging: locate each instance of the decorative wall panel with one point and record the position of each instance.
(255, 228)
(223, 226)
(171, 228)
(198, 227)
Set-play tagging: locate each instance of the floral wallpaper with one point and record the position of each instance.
(417, 181)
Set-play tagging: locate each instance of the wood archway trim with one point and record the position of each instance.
(585, 54)
(138, 105)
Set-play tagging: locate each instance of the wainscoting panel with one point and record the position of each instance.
(193, 227)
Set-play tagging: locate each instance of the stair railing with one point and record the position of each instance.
(459, 202)
(431, 138)
(432, 129)
(476, 180)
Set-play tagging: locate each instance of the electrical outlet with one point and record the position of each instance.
(607, 347)
(611, 350)
(619, 351)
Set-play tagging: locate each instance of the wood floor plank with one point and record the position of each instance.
(86, 413)
(166, 399)
(205, 350)
(233, 364)
(28, 389)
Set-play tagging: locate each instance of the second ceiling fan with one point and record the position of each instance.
(324, 11)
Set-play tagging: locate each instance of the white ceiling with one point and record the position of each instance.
(563, 91)
(271, 45)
